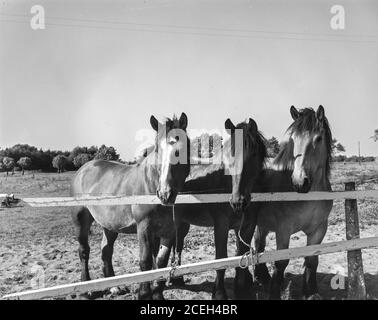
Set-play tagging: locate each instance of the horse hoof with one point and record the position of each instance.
(178, 282)
(145, 295)
(315, 296)
(220, 295)
(274, 296)
(242, 294)
(115, 291)
(158, 296)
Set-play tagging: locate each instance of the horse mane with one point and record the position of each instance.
(306, 122)
(285, 157)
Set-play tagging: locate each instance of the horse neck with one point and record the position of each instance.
(149, 173)
(320, 180)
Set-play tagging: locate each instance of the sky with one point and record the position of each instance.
(100, 69)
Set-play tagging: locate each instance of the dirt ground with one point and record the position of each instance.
(38, 243)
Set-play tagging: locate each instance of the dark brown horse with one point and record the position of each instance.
(302, 165)
(243, 158)
(162, 172)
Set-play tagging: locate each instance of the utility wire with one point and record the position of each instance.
(197, 27)
(229, 35)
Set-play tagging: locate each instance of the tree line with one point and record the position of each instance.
(26, 157)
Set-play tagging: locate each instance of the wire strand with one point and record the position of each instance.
(193, 27)
(225, 35)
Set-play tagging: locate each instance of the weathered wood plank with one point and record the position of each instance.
(197, 198)
(160, 274)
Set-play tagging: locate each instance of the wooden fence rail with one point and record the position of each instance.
(197, 198)
(160, 274)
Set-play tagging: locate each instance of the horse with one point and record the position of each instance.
(302, 165)
(237, 168)
(162, 172)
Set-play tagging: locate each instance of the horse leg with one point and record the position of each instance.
(107, 245)
(310, 287)
(261, 270)
(182, 231)
(243, 281)
(155, 252)
(83, 220)
(161, 262)
(221, 227)
(145, 239)
(282, 240)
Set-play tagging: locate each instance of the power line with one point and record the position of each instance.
(229, 35)
(197, 27)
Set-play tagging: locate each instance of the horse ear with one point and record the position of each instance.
(229, 125)
(183, 121)
(294, 113)
(154, 123)
(252, 125)
(320, 113)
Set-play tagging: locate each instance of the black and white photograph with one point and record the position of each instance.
(188, 150)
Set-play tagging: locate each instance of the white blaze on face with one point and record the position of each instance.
(301, 143)
(166, 150)
(173, 151)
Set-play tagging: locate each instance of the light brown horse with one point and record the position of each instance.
(302, 165)
(162, 172)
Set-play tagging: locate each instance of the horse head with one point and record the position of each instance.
(245, 154)
(311, 143)
(172, 150)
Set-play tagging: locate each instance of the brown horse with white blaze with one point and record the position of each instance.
(159, 173)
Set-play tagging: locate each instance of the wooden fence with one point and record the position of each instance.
(353, 245)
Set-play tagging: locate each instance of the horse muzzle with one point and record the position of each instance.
(240, 203)
(305, 187)
(167, 197)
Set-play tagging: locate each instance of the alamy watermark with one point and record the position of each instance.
(37, 21)
(338, 280)
(38, 279)
(338, 17)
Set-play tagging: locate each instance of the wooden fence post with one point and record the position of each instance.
(356, 283)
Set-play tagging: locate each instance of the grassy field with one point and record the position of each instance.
(32, 238)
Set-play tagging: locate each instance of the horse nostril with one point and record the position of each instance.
(306, 183)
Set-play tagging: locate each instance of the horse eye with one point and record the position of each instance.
(318, 139)
(176, 153)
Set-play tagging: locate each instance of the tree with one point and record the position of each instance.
(78, 150)
(81, 159)
(24, 163)
(337, 146)
(375, 136)
(8, 163)
(92, 151)
(340, 148)
(59, 162)
(107, 153)
(273, 147)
